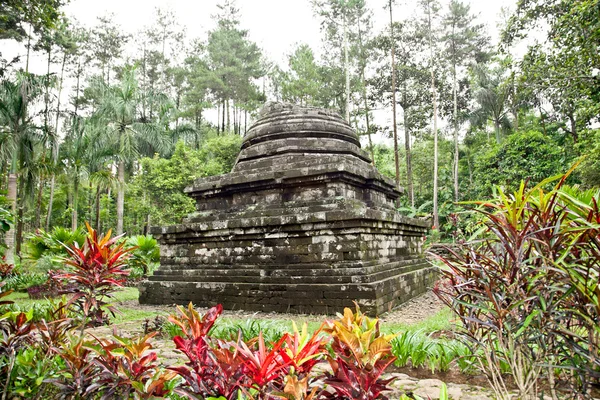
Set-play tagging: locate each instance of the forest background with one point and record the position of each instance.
(110, 138)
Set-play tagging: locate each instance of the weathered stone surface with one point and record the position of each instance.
(303, 223)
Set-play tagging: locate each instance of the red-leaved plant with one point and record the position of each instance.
(219, 368)
(127, 368)
(96, 271)
(360, 355)
(210, 372)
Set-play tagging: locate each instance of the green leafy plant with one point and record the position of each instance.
(249, 329)
(97, 270)
(22, 281)
(145, 255)
(45, 250)
(527, 290)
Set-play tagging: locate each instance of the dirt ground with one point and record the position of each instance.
(411, 312)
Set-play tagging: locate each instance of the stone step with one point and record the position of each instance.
(354, 275)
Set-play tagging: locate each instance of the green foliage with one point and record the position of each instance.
(145, 254)
(45, 250)
(421, 350)
(527, 290)
(522, 156)
(22, 281)
(248, 330)
(590, 164)
(31, 371)
(161, 182)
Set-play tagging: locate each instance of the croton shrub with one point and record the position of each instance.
(56, 358)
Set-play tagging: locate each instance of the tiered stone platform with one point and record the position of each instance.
(303, 223)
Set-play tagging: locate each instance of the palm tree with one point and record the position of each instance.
(131, 136)
(18, 138)
(492, 93)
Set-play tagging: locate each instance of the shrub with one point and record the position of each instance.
(6, 269)
(22, 281)
(527, 291)
(360, 355)
(45, 250)
(97, 270)
(146, 253)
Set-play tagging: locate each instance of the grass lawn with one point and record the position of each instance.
(439, 321)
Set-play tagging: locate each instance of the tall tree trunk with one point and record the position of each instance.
(409, 174)
(455, 95)
(245, 121)
(497, 130)
(228, 116)
(223, 117)
(20, 212)
(55, 144)
(90, 202)
(218, 117)
(120, 195)
(38, 207)
(436, 218)
(143, 83)
(364, 93)
(28, 49)
(395, 125)
(75, 205)
(97, 204)
(234, 118)
(346, 68)
(9, 239)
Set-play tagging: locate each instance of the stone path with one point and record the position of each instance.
(430, 389)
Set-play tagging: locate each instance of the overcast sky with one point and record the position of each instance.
(275, 25)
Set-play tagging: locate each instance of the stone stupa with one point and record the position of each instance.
(304, 223)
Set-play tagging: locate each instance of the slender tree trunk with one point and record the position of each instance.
(218, 117)
(395, 125)
(409, 174)
(97, 204)
(223, 117)
(455, 95)
(436, 219)
(497, 130)
(21, 212)
(347, 68)
(38, 207)
(55, 144)
(74, 214)
(143, 82)
(109, 201)
(28, 49)
(120, 196)
(234, 118)
(9, 239)
(364, 94)
(245, 121)
(228, 116)
(90, 202)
